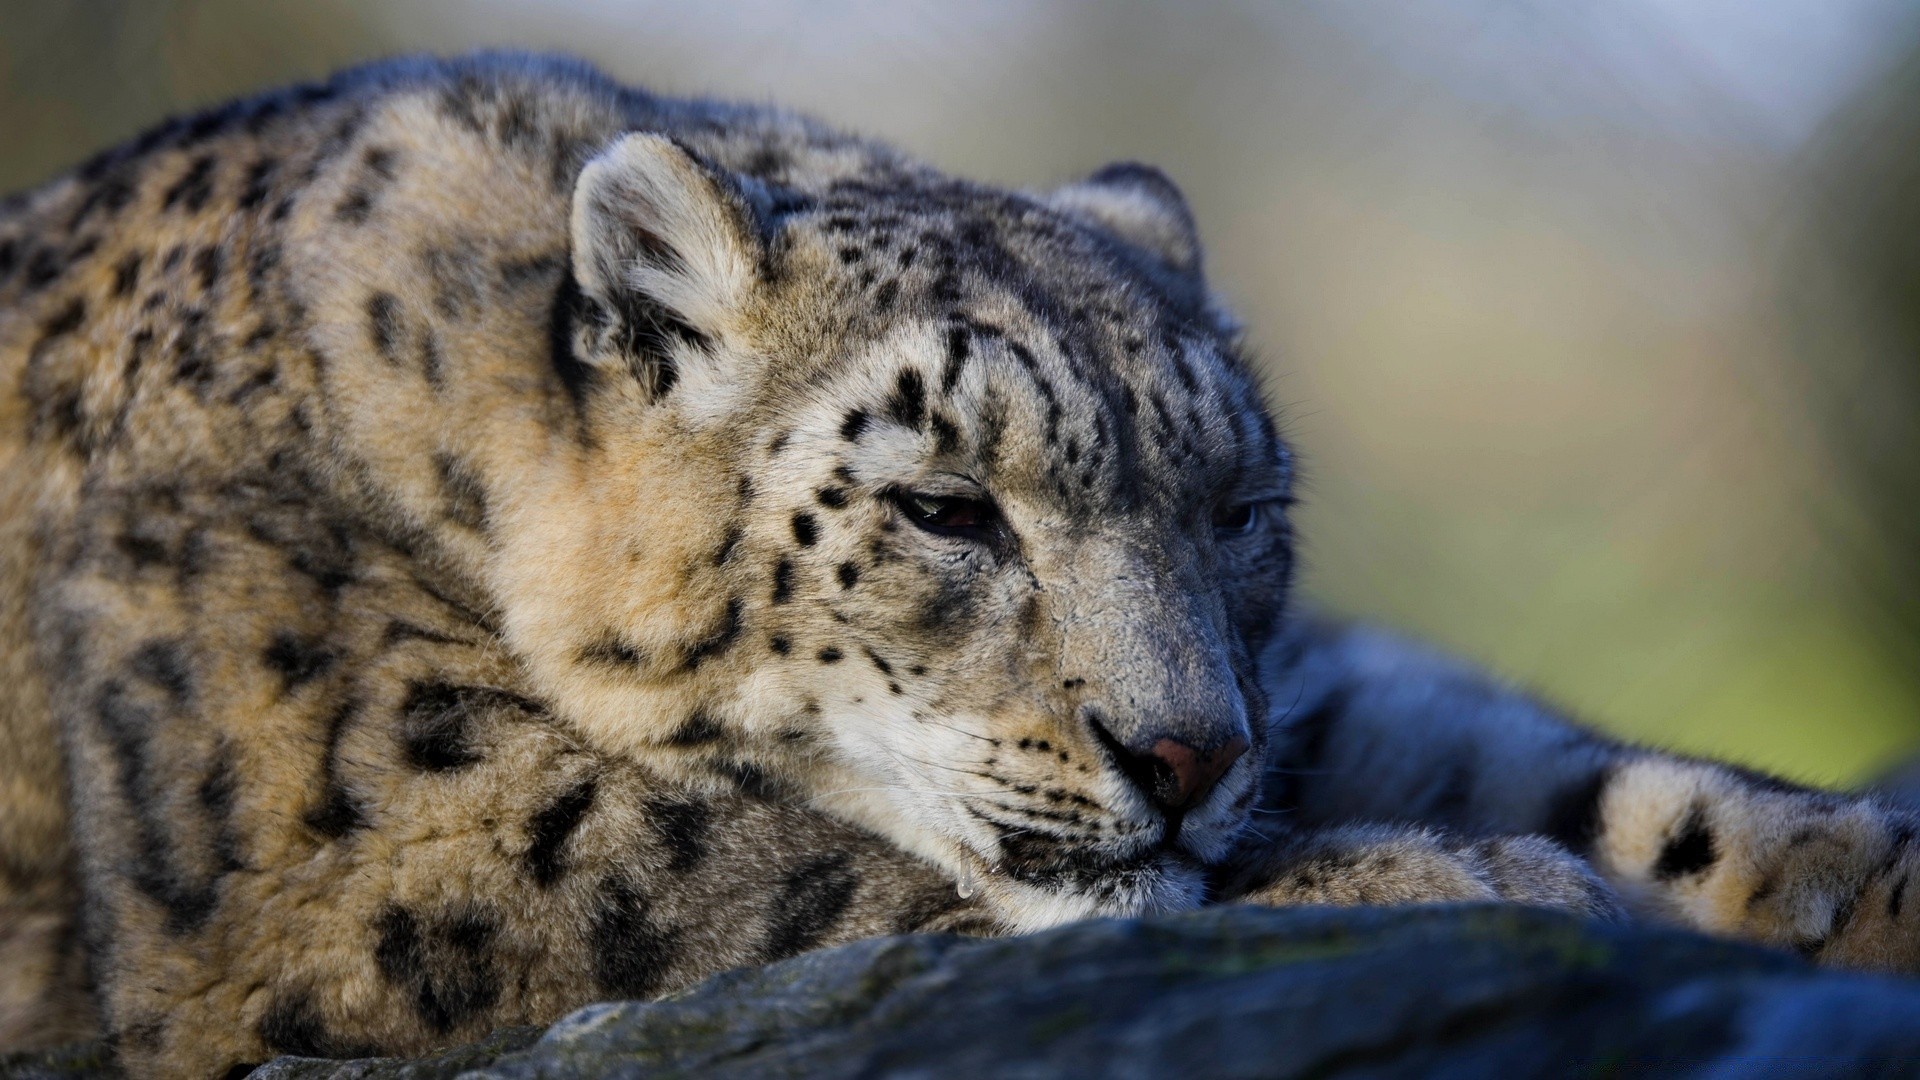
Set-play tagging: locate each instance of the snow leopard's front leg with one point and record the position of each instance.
(1371, 728)
(1387, 864)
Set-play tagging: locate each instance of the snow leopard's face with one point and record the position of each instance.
(994, 518)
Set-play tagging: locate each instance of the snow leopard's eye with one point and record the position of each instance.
(949, 515)
(1235, 519)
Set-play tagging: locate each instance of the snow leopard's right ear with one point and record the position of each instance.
(667, 249)
(1140, 205)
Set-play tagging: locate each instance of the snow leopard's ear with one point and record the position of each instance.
(667, 249)
(1140, 205)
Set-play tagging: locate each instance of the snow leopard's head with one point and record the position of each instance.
(951, 509)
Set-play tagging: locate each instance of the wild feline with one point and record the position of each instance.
(477, 539)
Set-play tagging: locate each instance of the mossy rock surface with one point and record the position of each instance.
(1475, 991)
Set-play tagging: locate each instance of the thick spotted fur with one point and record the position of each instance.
(1372, 728)
(472, 543)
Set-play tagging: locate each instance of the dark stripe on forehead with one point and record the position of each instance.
(855, 425)
(907, 405)
(959, 348)
(1258, 437)
(1182, 367)
(1259, 440)
(1031, 366)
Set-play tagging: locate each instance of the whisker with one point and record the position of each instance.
(1298, 692)
(903, 757)
(959, 730)
(908, 790)
(1011, 829)
(938, 765)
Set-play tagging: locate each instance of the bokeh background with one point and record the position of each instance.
(1598, 324)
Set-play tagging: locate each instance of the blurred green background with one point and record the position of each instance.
(1598, 324)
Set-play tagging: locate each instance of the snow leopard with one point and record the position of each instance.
(478, 539)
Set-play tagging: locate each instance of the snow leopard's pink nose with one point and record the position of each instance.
(1184, 775)
(1173, 774)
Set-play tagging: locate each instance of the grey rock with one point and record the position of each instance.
(1463, 991)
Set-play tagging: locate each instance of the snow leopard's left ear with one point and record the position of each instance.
(1140, 205)
(667, 247)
